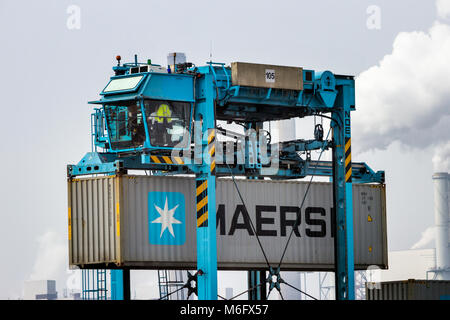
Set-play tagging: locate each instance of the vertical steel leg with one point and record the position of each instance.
(252, 282)
(343, 200)
(255, 278)
(206, 226)
(126, 284)
(206, 193)
(116, 285)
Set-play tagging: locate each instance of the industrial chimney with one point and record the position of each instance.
(441, 217)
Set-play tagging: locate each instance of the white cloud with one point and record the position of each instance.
(441, 158)
(51, 261)
(426, 239)
(443, 8)
(406, 97)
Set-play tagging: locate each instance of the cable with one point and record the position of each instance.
(279, 291)
(167, 295)
(251, 223)
(187, 285)
(294, 226)
(299, 290)
(303, 201)
(292, 231)
(240, 294)
(330, 118)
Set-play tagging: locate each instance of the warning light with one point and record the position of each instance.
(118, 58)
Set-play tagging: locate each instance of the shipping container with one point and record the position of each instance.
(409, 290)
(117, 221)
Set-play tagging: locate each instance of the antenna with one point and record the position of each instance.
(210, 50)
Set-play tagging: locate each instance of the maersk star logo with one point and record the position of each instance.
(166, 213)
(166, 219)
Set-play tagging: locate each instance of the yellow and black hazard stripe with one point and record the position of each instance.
(212, 150)
(348, 160)
(202, 202)
(166, 160)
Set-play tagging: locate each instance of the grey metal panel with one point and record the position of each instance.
(410, 290)
(370, 224)
(306, 251)
(92, 228)
(254, 75)
(135, 242)
(95, 200)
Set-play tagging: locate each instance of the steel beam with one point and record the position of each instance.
(342, 196)
(206, 191)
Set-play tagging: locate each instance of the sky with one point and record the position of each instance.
(56, 55)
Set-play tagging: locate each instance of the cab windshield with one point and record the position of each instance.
(168, 122)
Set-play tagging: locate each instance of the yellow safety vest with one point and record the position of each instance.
(163, 112)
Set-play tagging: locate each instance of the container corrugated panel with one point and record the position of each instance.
(313, 248)
(409, 290)
(93, 215)
(110, 223)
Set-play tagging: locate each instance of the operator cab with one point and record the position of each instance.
(144, 108)
(168, 123)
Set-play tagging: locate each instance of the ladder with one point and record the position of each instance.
(94, 284)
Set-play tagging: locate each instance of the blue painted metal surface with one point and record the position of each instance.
(117, 284)
(166, 123)
(206, 195)
(342, 193)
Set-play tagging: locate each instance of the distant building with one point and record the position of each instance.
(76, 296)
(403, 265)
(70, 294)
(228, 293)
(409, 264)
(40, 290)
(294, 279)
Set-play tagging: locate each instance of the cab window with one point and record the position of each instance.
(125, 125)
(168, 122)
